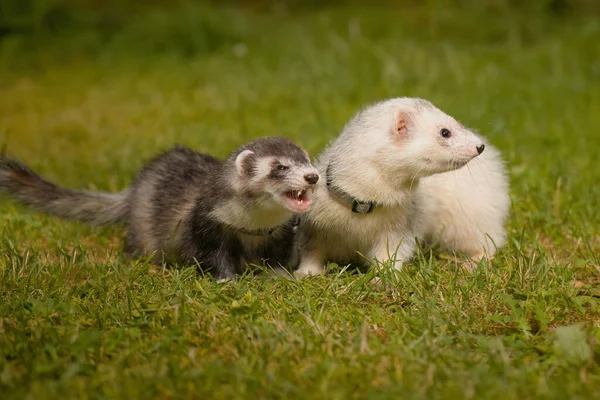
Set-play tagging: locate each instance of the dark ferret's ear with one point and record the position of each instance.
(241, 160)
(401, 124)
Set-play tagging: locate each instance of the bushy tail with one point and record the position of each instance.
(31, 189)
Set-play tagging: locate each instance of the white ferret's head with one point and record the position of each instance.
(413, 137)
(277, 173)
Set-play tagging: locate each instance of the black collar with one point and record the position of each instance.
(294, 222)
(357, 206)
(256, 232)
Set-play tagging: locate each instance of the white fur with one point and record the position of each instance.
(392, 153)
(466, 209)
(264, 214)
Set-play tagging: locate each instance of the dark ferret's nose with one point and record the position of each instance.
(480, 148)
(311, 178)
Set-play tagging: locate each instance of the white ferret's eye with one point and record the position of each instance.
(445, 133)
(282, 167)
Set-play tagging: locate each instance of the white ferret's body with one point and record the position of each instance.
(466, 209)
(429, 177)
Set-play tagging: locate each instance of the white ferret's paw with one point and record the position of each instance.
(468, 262)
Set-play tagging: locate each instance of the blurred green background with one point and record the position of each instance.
(191, 28)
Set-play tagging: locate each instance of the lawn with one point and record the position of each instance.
(86, 110)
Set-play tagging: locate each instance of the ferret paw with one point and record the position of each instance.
(378, 284)
(226, 280)
(474, 260)
(384, 286)
(470, 263)
(308, 270)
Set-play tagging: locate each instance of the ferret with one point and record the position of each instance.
(187, 207)
(403, 172)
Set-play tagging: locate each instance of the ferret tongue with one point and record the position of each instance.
(300, 203)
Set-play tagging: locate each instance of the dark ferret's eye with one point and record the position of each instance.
(282, 167)
(445, 133)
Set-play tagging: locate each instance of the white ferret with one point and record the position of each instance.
(401, 171)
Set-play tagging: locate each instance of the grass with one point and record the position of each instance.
(77, 321)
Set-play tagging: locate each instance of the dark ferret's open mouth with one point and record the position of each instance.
(297, 200)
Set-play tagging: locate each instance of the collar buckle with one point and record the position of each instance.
(362, 207)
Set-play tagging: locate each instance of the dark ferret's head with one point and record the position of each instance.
(277, 168)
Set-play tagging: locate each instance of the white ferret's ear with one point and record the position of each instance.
(401, 122)
(240, 161)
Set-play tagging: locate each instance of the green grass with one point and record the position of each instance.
(77, 321)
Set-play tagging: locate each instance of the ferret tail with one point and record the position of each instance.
(19, 181)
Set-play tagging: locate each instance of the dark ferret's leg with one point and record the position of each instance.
(224, 263)
(212, 252)
(224, 267)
